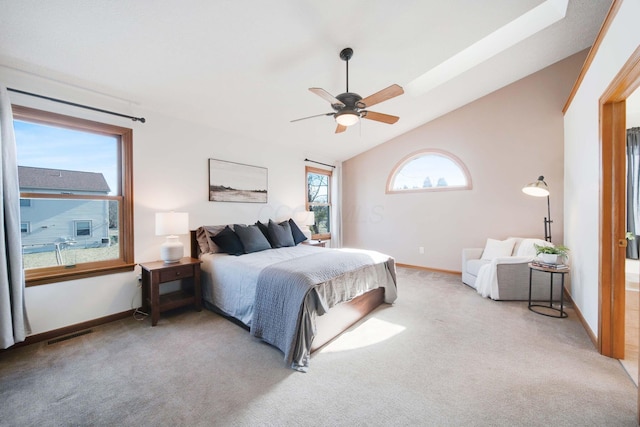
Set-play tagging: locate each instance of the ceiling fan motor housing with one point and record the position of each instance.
(350, 100)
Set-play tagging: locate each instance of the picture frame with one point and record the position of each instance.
(237, 182)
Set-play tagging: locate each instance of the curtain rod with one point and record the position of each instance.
(135, 119)
(320, 163)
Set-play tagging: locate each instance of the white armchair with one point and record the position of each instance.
(500, 271)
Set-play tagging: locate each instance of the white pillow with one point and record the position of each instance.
(497, 248)
(527, 247)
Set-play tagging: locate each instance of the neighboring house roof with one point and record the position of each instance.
(61, 180)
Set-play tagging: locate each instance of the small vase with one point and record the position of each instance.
(549, 258)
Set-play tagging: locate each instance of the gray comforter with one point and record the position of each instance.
(291, 293)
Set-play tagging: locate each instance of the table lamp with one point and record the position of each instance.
(308, 219)
(171, 224)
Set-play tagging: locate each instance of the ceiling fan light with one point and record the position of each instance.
(347, 118)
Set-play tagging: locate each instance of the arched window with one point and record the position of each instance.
(429, 170)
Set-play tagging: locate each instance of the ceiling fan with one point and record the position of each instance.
(350, 107)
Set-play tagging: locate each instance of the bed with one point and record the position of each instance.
(296, 297)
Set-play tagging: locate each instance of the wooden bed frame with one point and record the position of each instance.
(339, 318)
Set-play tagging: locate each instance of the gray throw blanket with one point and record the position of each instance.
(290, 293)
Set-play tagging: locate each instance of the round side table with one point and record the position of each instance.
(537, 308)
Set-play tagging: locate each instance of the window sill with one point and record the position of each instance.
(321, 237)
(62, 274)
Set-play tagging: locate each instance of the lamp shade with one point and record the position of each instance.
(347, 118)
(309, 218)
(170, 224)
(538, 188)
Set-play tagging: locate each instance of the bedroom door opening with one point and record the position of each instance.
(632, 264)
(613, 139)
(632, 319)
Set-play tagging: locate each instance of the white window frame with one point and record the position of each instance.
(426, 152)
(81, 221)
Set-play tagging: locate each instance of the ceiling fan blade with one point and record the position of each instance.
(310, 117)
(326, 96)
(388, 93)
(340, 129)
(379, 117)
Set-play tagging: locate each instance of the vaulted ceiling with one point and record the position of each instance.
(245, 66)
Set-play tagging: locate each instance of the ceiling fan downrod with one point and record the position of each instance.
(345, 55)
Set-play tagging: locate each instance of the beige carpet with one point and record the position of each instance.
(442, 355)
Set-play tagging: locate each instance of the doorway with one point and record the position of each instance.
(612, 204)
(632, 264)
(611, 322)
(632, 319)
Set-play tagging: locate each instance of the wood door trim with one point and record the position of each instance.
(612, 196)
(611, 299)
(611, 14)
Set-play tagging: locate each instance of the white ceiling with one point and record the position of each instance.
(245, 66)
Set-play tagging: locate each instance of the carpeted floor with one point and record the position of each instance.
(441, 356)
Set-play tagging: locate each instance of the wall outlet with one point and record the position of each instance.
(421, 250)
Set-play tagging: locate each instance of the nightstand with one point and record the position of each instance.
(158, 272)
(319, 243)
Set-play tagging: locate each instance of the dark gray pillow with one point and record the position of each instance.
(252, 238)
(228, 241)
(298, 235)
(280, 234)
(265, 230)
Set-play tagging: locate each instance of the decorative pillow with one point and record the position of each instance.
(298, 235)
(265, 231)
(497, 248)
(228, 241)
(280, 234)
(204, 235)
(251, 238)
(527, 247)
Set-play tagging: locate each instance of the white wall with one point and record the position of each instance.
(506, 139)
(582, 161)
(170, 173)
(633, 109)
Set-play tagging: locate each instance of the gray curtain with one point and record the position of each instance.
(14, 324)
(633, 190)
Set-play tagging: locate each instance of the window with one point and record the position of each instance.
(319, 201)
(76, 192)
(429, 170)
(82, 228)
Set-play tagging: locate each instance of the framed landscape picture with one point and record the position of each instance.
(236, 182)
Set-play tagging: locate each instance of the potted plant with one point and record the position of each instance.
(550, 254)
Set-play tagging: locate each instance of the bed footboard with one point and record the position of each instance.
(342, 316)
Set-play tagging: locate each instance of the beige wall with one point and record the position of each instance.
(582, 161)
(506, 139)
